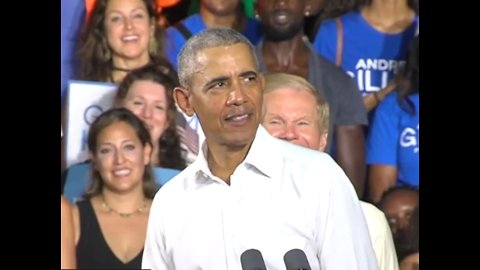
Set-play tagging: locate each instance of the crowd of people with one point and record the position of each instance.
(288, 124)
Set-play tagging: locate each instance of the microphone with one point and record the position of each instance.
(296, 259)
(252, 260)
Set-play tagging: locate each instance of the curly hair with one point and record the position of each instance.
(170, 154)
(92, 45)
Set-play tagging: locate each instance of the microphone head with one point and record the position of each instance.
(252, 259)
(296, 259)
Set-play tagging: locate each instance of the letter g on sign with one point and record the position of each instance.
(91, 113)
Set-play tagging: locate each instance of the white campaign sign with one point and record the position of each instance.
(86, 100)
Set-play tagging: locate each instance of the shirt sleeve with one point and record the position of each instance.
(343, 238)
(384, 133)
(351, 108)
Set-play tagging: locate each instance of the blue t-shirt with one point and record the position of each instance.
(371, 57)
(174, 40)
(393, 138)
(73, 13)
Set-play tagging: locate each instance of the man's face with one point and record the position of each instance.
(226, 95)
(398, 207)
(290, 114)
(281, 19)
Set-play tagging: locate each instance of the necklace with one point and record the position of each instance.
(122, 69)
(109, 209)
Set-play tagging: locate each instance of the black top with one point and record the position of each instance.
(93, 251)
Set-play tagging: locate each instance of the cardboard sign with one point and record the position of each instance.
(86, 101)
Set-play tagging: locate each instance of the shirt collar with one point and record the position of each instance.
(259, 156)
(201, 169)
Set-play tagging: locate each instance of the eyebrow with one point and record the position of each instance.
(133, 10)
(217, 80)
(225, 78)
(278, 116)
(248, 73)
(143, 98)
(274, 116)
(112, 144)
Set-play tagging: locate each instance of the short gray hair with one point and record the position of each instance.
(209, 38)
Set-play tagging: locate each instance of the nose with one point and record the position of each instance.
(119, 157)
(402, 223)
(236, 96)
(289, 132)
(147, 112)
(128, 23)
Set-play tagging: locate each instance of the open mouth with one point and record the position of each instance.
(130, 38)
(281, 17)
(121, 172)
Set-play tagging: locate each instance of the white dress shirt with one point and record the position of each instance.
(281, 197)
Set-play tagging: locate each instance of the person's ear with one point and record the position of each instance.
(323, 142)
(182, 98)
(147, 154)
(255, 11)
(308, 8)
